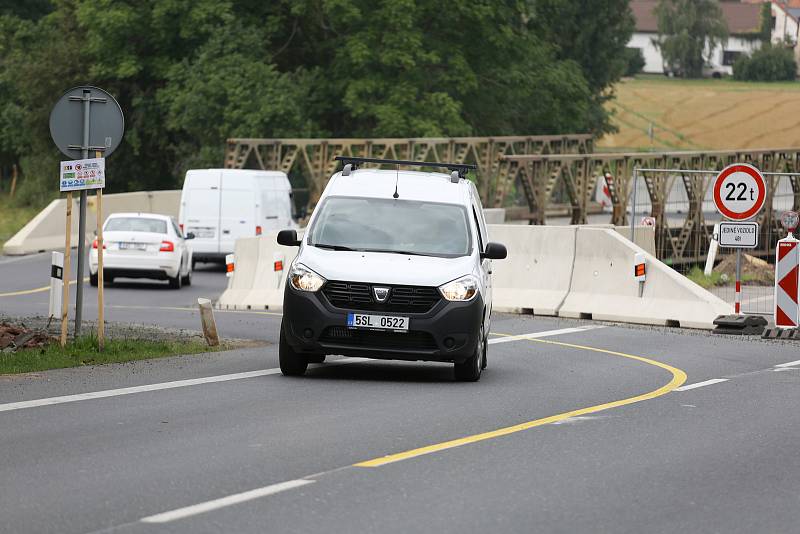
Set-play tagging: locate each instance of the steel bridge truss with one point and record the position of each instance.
(575, 176)
(314, 158)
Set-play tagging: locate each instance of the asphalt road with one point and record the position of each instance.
(579, 430)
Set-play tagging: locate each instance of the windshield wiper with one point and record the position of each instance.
(333, 247)
(392, 251)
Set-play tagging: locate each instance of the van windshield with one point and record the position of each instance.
(389, 225)
(136, 224)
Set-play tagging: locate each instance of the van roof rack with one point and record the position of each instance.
(460, 168)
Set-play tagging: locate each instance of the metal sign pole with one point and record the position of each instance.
(633, 206)
(738, 301)
(87, 95)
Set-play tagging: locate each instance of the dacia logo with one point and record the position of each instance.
(381, 293)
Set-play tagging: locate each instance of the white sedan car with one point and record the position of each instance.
(143, 245)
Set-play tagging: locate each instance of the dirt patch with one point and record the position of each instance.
(755, 271)
(14, 337)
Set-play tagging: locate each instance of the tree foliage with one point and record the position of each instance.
(768, 64)
(688, 33)
(191, 73)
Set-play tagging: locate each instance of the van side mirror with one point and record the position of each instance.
(190, 235)
(495, 251)
(288, 238)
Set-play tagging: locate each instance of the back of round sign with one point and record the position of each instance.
(106, 122)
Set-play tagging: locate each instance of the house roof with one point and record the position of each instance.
(741, 18)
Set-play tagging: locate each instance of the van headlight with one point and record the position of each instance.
(465, 288)
(304, 279)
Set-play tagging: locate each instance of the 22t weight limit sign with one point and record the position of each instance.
(739, 191)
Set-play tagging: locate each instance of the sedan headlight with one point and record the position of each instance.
(304, 279)
(465, 288)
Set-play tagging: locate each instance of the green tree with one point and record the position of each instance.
(595, 35)
(688, 33)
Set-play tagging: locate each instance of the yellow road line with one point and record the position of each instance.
(37, 290)
(678, 378)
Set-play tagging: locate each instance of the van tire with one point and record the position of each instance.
(292, 363)
(93, 279)
(315, 358)
(470, 369)
(187, 280)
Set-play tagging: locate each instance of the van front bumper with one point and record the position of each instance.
(449, 332)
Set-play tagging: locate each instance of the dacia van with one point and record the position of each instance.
(394, 264)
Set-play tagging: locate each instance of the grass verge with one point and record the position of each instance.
(12, 218)
(83, 351)
(716, 279)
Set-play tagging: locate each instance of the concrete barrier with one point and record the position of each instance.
(603, 287)
(568, 271)
(535, 277)
(46, 230)
(494, 215)
(246, 256)
(267, 291)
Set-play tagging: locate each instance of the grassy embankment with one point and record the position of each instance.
(12, 218)
(703, 114)
(83, 351)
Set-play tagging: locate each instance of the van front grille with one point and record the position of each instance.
(371, 339)
(360, 296)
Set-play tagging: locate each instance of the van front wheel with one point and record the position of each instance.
(292, 363)
(470, 369)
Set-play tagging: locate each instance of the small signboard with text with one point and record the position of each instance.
(82, 174)
(738, 234)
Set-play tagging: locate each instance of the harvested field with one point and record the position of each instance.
(704, 114)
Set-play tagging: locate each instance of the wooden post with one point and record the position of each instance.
(100, 246)
(13, 180)
(207, 321)
(67, 258)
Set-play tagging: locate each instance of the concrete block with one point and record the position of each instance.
(603, 287)
(535, 278)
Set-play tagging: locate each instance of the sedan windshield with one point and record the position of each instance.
(136, 224)
(388, 225)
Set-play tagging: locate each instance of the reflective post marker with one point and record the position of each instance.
(56, 284)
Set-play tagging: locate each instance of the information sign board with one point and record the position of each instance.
(81, 174)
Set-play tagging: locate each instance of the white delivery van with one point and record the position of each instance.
(221, 205)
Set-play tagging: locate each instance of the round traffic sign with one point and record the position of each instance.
(739, 191)
(106, 122)
(790, 219)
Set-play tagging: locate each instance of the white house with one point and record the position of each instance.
(744, 23)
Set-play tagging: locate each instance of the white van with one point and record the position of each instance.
(221, 205)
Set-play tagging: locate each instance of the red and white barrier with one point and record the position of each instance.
(787, 312)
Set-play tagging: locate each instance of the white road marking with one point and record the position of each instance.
(547, 333)
(789, 364)
(230, 500)
(155, 387)
(64, 399)
(701, 384)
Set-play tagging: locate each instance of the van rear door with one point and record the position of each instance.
(237, 212)
(201, 209)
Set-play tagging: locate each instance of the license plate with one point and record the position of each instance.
(132, 246)
(202, 233)
(377, 322)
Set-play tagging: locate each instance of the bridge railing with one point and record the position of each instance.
(313, 159)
